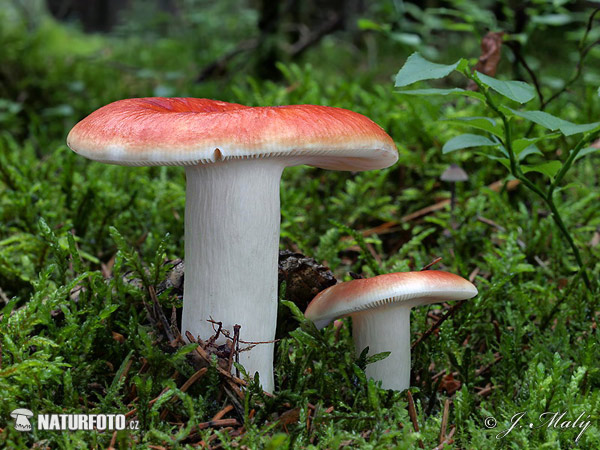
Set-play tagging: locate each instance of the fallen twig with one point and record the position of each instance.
(432, 263)
(222, 413)
(412, 412)
(448, 439)
(444, 420)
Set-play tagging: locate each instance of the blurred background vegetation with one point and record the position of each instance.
(528, 342)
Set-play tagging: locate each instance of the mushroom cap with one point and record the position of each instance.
(454, 173)
(408, 288)
(192, 131)
(21, 412)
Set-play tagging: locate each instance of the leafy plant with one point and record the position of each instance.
(500, 137)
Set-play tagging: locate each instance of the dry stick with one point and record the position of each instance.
(126, 371)
(487, 390)
(222, 413)
(412, 412)
(204, 444)
(236, 336)
(239, 408)
(444, 420)
(232, 380)
(185, 386)
(448, 439)
(174, 317)
(237, 348)
(214, 337)
(113, 441)
(228, 377)
(436, 325)
(226, 333)
(216, 423)
(432, 263)
(201, 353)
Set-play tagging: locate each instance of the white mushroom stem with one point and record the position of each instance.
(385, 329)
(231, 251)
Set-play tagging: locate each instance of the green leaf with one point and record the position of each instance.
(296, 313)
(107, 311)
(549, 169)
(377, 357)
(366, 24)
(466, 141)
(372, 395)
(482, 123)
(501, 159)
(519, 91)
(418, 68)
(554, 123)
(574, 128)
(530, 150)
(452, 91)
(552, 19)
(188, 348)
(518, 145)
(406, 38)
(586, 151)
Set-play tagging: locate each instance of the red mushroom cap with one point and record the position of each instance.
(410, 288)
(190, 131)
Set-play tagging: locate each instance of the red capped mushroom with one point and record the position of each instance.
(234, 156)
(380, 311)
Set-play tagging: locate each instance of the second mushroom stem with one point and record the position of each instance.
(385, 329)
(231, 247)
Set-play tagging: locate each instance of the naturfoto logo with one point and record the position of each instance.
(72, 422)
(21, 417)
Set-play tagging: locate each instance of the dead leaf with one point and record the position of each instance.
(118, 337)
(491, 49)
(449, 384)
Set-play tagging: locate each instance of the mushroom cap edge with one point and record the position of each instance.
(408, 288)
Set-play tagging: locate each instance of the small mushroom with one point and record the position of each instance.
(453, 174)
(234, 157)
(380, 311)
(21, 417)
